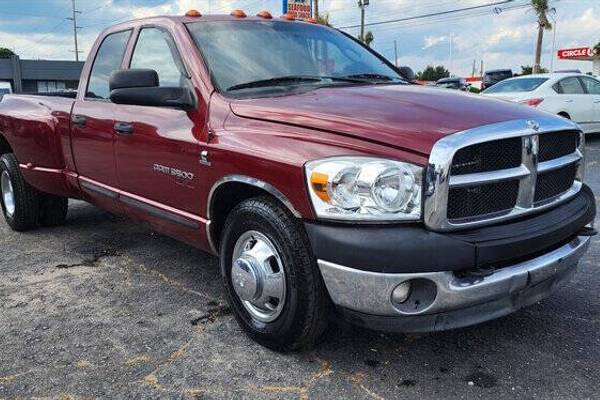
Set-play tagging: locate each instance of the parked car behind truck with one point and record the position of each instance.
(570, 95)
(321, 179)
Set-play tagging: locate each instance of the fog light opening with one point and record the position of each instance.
(414, 296)
(401, 293)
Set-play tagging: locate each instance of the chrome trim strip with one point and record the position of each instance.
(560, 162)
(151, 207)
(483, 178)
(370, 292)
(252, 182)
(439, 180)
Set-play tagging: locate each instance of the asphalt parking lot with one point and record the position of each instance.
(104, 308)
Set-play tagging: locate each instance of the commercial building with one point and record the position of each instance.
(28, 76)
(582, 54)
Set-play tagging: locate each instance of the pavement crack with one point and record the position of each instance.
(92, 262)
(212, 315)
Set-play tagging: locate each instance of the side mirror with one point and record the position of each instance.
(407, 73)
(140, 87)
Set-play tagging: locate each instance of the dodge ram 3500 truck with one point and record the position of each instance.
(325, 183)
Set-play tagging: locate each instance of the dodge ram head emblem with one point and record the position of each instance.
(533, 125)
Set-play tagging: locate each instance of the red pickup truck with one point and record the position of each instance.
(323, 180)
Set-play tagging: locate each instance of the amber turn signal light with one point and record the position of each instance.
(238, 14)
(264, 14)
(193, 13)
(318, 181)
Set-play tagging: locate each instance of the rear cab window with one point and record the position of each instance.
(108, 59)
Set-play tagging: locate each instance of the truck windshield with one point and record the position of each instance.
(516, 85)
(249, 56)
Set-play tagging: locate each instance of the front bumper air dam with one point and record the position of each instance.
(364, 297)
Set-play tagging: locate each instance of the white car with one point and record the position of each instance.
(571, 95)
(5, 88)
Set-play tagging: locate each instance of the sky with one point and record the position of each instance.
(503, 35)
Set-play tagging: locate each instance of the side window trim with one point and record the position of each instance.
(170, 42)
(89, 77)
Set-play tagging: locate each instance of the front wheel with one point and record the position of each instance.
(273, 284)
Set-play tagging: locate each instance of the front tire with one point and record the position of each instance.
(273, 284)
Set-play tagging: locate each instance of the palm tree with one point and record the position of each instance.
(541, 9)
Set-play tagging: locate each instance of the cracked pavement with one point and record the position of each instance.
(105, 308)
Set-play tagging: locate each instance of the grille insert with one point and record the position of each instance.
(478, 201)
(554, 183)
(488, 156)
(557, 144)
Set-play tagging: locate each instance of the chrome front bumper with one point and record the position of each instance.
(369, 294)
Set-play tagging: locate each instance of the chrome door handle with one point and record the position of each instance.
(123, 128)
(597, 101)
(568, 101)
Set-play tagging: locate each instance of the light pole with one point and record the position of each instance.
(552, 15)
(362, 4)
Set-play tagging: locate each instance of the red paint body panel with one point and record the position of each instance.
(268, 139)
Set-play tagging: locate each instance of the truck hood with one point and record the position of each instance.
(408, 117)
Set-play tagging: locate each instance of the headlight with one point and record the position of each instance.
(365, 189)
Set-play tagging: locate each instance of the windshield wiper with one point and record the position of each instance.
(373, 77)
(292, 80)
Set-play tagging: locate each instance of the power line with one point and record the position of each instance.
(453, 11)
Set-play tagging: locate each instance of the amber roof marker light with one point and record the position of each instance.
(238, 14)
(288, 17)
(264, 14)
(310, 20)
(193, 13)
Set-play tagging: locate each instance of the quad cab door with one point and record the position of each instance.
(157, 151)
(92, 120)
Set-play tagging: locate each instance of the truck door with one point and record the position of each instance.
(156, 151)
(92, 122)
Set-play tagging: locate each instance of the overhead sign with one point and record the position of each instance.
(300, 9)
(581, 53)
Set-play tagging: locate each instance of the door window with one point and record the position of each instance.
(592, 85)
(108, 59)
(156, 50)
(570, 86)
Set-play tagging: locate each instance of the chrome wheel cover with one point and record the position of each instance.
(8, 194)
(258, 276)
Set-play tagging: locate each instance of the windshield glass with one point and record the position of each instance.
(277, 54)
(516, 85)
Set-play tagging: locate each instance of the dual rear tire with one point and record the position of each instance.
(23, 206)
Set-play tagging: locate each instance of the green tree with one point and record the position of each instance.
(369, 38)
(541, 9)
(323, 19)
(431, 73)
(528, 70)
(6, 53)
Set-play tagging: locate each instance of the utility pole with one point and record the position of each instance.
(473, 70)
(316, 10)
(75, 27)
(362, 4)
(396, 53)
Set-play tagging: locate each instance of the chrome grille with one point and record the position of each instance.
(501, 171)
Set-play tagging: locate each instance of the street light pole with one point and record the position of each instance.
(553, 40)
(362, 4)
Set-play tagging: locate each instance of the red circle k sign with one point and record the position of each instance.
(582, 52)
